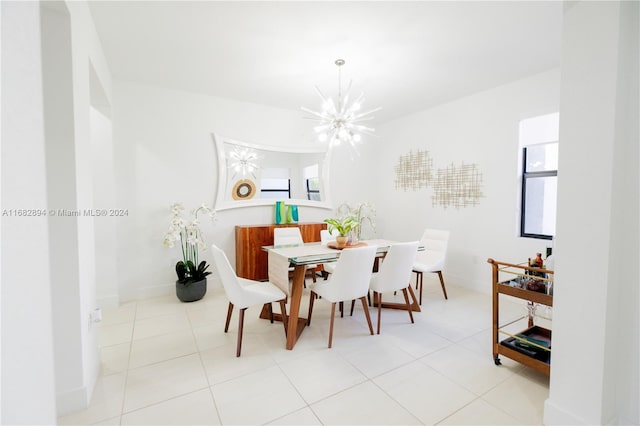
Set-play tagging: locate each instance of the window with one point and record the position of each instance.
(313, 189)
(539, 191)
(275, 184)
(539, 144)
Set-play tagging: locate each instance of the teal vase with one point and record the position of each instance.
(279, 216)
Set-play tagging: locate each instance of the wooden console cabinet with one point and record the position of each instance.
(251, 260)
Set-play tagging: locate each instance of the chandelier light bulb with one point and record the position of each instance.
(340, 120)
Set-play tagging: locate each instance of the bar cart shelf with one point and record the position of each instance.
(532, 346)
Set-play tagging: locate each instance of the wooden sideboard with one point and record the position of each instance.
(251, 260)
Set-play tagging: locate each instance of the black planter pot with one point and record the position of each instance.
(192, 291)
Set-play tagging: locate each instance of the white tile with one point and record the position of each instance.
(378, 357)
(321, 374)
(114, 421)
(162, 348)
(115, 334)
(126, 312)
(221, 363)
(210, 337)
(425, 393)
(195, 408)
(158, 306)
(520, 396)
(158, 382)
(417, 341)
(161, 324)
(303, 416)
(364, 404)
(208, 317)
(180, 349)
(114, 359)
(474, 372)
(480, 412)
(256, 398)
(106, 402)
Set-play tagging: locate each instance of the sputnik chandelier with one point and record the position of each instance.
(340, 121)
(243, 161)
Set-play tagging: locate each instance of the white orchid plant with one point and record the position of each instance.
(188, 234)
(362, 213)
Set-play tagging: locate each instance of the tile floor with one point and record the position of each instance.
(167, 362)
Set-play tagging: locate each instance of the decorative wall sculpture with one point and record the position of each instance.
(414, 171)
(457, 186)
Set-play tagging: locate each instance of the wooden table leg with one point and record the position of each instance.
(296, 324)
(415, 307)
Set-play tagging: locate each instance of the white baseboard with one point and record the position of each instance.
(72, 401)
(147, 292)
(555, 415)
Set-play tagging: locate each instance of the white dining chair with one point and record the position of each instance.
(394, 273)
(325, 238)
(244, 293)
(291, 236)
(433, 257)
(349, 281)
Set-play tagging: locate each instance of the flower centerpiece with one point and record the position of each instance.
(192, 273)
(364, 213)
(343, 226)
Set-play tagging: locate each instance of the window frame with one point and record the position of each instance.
(523, 195)
(311, 191)
(283, 191)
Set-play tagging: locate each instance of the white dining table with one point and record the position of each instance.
(280, 259)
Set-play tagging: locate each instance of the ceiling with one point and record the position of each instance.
(405, 56)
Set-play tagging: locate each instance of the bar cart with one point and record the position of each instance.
(532, 346)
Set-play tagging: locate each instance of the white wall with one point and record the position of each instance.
(28, 389)
(480, 129)
(86, 49)
(164, 153)
(104, 187)
(595, 363)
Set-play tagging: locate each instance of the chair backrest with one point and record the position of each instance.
(352, 274)
(435, 242)
(326, 237)
(395, 270)
(286, 236)
(227, 275)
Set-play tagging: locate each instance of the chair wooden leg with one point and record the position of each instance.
(406, 300)
(271, 313)
(341, 309)
(229, 311)
(240, 327)
(333, 314)
(444, 290)
(283, 311)
(366, 313)
(419, 274)
(353, 303)
(377, 297)
(311, 299)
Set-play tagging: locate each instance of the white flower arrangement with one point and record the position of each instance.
(362, 213)
(188, 233)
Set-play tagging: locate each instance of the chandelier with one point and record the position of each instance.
(340, 121)
(243, 161)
